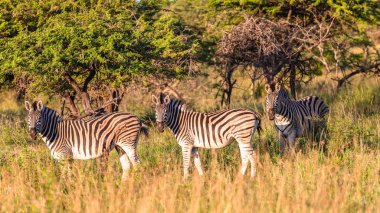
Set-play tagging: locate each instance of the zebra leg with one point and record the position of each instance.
(132, 154)
(67, 164)
(252, 159)
(65, 167)
(129, 147)
(186, 150)
(282, 142)
(104, 160)
(125, 165)
(292, 141)
(70, 167)
(245, 150)
(64, 160)
(197, 160)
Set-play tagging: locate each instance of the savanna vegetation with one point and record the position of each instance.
(88, 57)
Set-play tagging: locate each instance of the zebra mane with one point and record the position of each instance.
(162, 97)
(283, 93)
(180, 103)
(47, 110)
(34, 105)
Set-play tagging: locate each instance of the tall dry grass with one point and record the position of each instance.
(345, 178)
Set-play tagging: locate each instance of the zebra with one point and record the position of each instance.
(86, 138)
(293, 118)
(195, 130)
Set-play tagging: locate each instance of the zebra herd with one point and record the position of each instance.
(95, 137)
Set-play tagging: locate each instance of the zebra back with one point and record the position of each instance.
(314, 105)
(210, 130)
(91, 137)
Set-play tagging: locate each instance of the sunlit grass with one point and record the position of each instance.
(343, 178)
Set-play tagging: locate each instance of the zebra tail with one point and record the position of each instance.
(259, 129)
(144, 129)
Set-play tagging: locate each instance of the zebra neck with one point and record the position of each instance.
(175, 116)
(284, 115)
(280, 119)
(49, 127)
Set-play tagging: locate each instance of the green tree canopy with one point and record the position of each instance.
(62, 46)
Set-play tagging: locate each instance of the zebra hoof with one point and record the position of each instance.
(253, 176)
(124, 177)
(186, 177)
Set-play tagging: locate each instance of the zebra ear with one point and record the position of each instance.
(278, 87)
(39, 105)
(154, 99)
(28, 106)
(166, 99)
(267, 88)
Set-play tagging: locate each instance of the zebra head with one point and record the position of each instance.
(34, 117)
(272, 100)
(160, 105)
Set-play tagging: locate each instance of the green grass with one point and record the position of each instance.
(345, 178)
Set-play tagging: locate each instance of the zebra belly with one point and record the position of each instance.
(212, 144)
(87, 152)
(81, 156)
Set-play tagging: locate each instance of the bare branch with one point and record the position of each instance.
(271, 46)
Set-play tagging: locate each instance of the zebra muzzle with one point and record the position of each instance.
(160, 126)
(32, 134)
(271, 114)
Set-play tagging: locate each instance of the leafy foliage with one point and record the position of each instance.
(125, 41)
(115, 42)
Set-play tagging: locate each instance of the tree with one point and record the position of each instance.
(275, 49)
(348, 32)
(78, 49)
(350, 54)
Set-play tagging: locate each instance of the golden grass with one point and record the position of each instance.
(346, 178)
(31, 181)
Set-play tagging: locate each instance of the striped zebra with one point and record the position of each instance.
(293, 118)
(86, 138)
(207, 130)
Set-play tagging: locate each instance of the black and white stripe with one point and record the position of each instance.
(207, 130)
(86, 138)
(294, 118)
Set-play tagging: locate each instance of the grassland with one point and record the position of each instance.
(345, 178)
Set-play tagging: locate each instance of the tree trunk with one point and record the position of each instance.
(292, 81)
(269, 77)
(20, 94)
(115, 98)
(253, 79)
(85, 97)
(227, 86)
(71, 105)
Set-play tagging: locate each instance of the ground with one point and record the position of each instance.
(344, 177)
